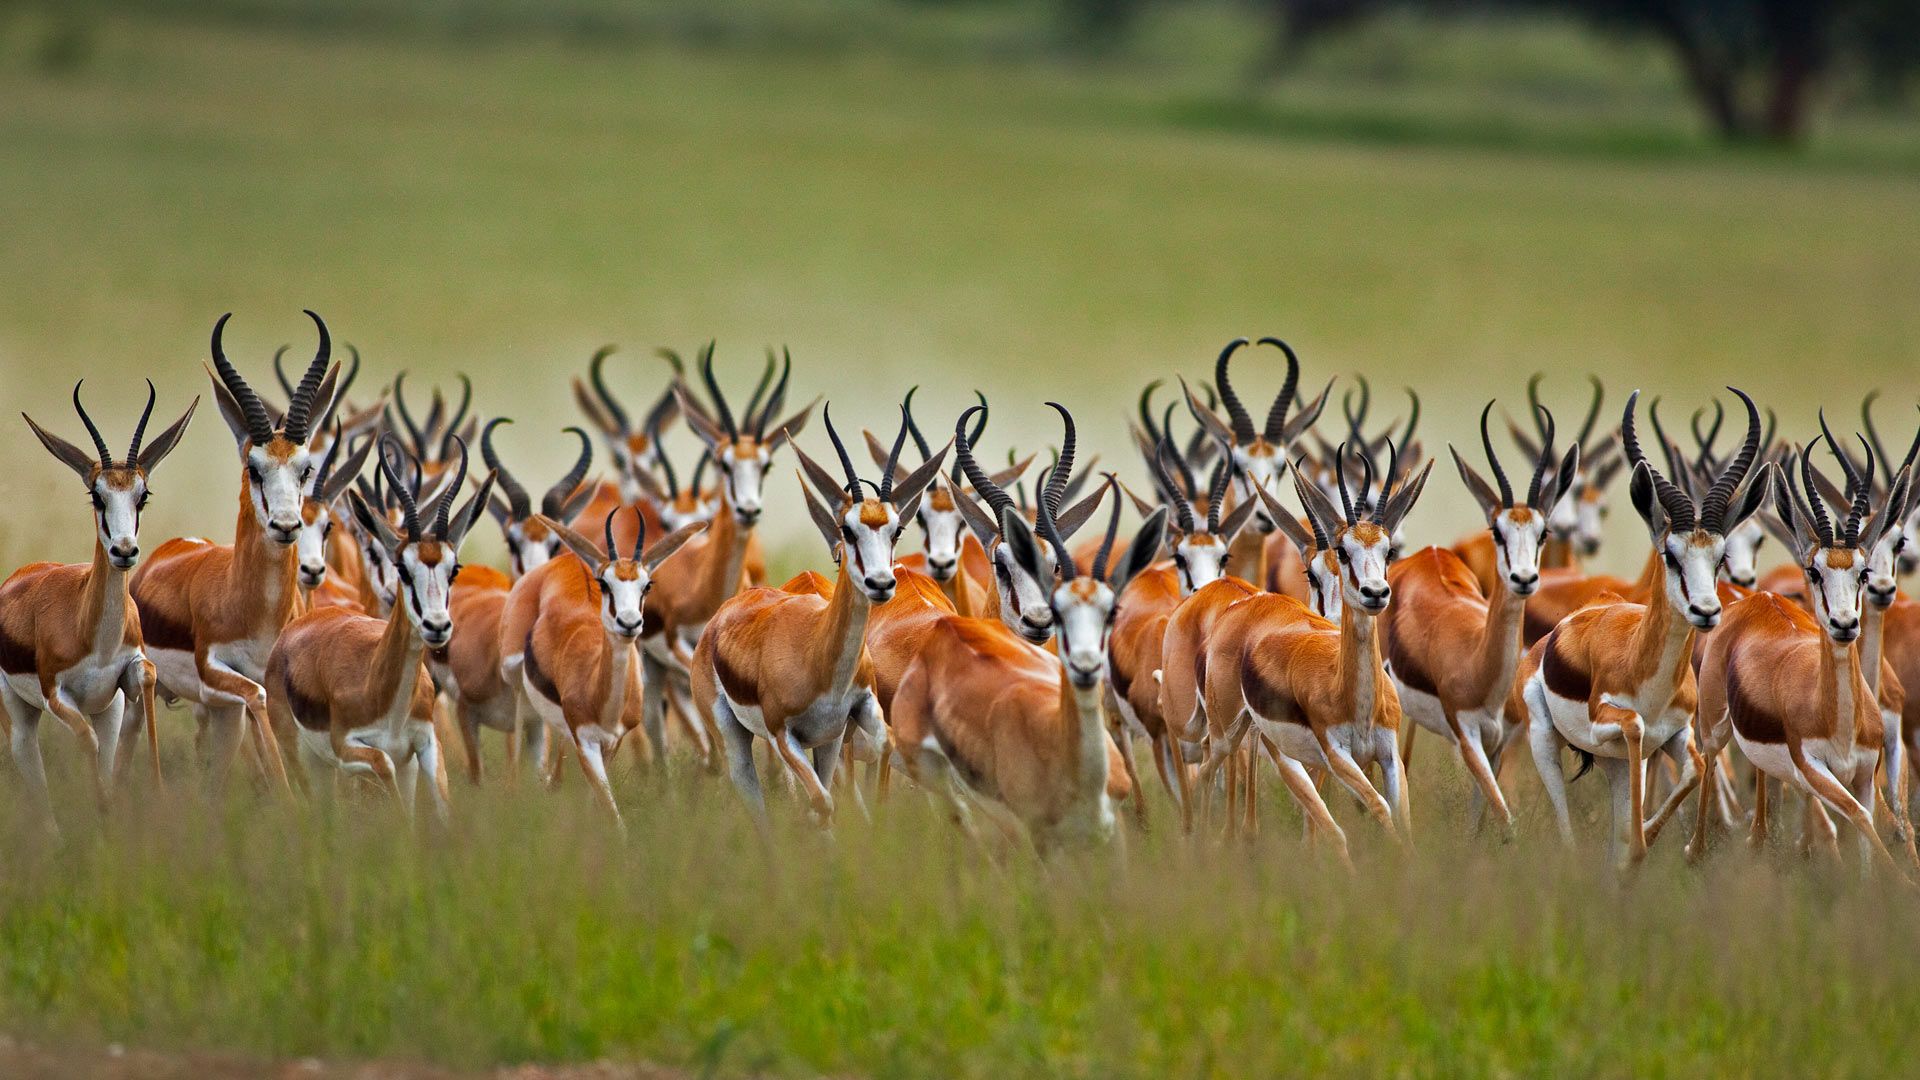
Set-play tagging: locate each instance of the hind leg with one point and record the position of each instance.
(1545, 741)
(739, 743)
(25, 737)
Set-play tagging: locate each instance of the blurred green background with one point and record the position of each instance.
(995, 193)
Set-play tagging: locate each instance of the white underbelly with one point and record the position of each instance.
(177, 673)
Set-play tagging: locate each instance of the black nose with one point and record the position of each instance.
(438, 628)
(1524, 581)
(126, 551)
(1376, 593)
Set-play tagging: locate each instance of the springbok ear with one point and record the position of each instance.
(1023, 546)
(595, 413)
(791, 427)
(586, 550)
(650, 487)
(1237, 518)
(1563, 479)
(704, 427)
(1216, 427)
(372, 524)
(69, 455)
(814, 473)
(462, 520)
(1010, 475)
(976, 517)
(230, 411)
(1477, 485)
(1306, 417)
(822, 519)
(909, 487)
(1402, 502)
(1070, 519)
(581, 496)
(1142, 552)
(346, 472)
(156, 451)
(1891, 511)
(1284, 520)
(1645, 503)
(1751, 499)
(1786, 522)
(664, 548)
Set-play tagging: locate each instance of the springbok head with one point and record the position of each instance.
(635, 448)
(942, 526)
(117, 489)
(1579, 520)
(432, 438)
(1083, 605)
(529, 543)
(1023, 565)
(861, 532)
(622, 581)
(425, 557)
(279, 464)
(1908, 557)
(1831, 553)
(318, 507)
(742, 450)
(1257, 456)
(1691, 535)
(1518, 528)
(1885, 533)
(1361, 540)
(1741, 562)
(1198, 542)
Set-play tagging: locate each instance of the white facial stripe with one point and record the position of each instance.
(429, 594)
(1202, 560)
(869, 549)
(117, 516)
(943, 538)
(622, 601)
(1024, 607)
(1082, 627)
(312, 545)
(1837, 595)
(1517, 550)
(278, 489)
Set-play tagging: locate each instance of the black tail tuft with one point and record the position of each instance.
(1586, 762)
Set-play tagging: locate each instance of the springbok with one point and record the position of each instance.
(1021, 598)
(947, 544)
(984, 718)
(467, 668)
(1452, 650)
(432, 437)
(351, 691)
(69, 634)
(1256, 458)
(568, 644)
(635, 449)
(210, 613)
(1316, 691)
(1615, 680)
(1788, 684)
(318, 505)
(790, 665)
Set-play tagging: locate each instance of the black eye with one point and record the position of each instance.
(455, 575)
(1671, 561)
(306, 474)
(406, 576)
(253, 471)
(142, 504)
(98, 502)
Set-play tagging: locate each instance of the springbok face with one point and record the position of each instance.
(1835, 580)
(424, 559)
(1200, 559)
(1257, 455)
(1364, 551)
(742, 452)
(278, 464)
(117, 490)
(1589, 518)
(1692, 539)
(1741, 563)
(622, 581)
(862, 532)
(1361, 542)
(530, 545)
(688, 508)
(1519, 527)
(1517, 533)
(1882, 581)
(1025, 581)
(942, 533)
(1083, 610)
(316, 527)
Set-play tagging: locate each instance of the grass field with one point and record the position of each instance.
(502, 208)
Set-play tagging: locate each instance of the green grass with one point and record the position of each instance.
(503, 207)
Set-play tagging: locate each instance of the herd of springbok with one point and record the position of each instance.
(1267, 605)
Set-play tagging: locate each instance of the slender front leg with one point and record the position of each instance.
(1348, 772)
(469, 723)
(64, 710)
(252, 697)
(1633, 733)
(25, 736)
(1474, 755)
(137, 683)
(1680, 750)
(1300, 786)
(593, 765)
(1757, 836)
(1831, 791)
(791, 753)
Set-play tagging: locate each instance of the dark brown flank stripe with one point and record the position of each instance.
(1405, 667)
(1263, 698)
(16, 657)
(1749, 717)
(739, 690)
(162, 632)
(538, 677)
(307, 712)
(1564, 679)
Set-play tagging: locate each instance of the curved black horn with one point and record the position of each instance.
(1182, 506)
(1340, 479)
(1546, 457)
(1679, 507)
(596, 374)
(300, 406)
(140, 429)
(517, 498)
(1817, 505)
(1413, 417)
(1593, 413)
(1704, 443)
(1493, 460)
(1676, 462)
(280, 371)
(443, 506)
(751, 414)
(1113, 528)
(555, 500)
(1242, 423)
(1386, 482)
(459, 414)
(667, 474)
(639, 535)
(259, 426)
(846, 460)
(719, 399)
(1283, 401)
(997, 499)
(99, 444)
(414, 433)
(777, 399)
(913, 429)
(1146, 412)
(397, 488)
(893, 457)
(1054, 491)
(1713, 508)
(607, 527)
(1216, 499)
